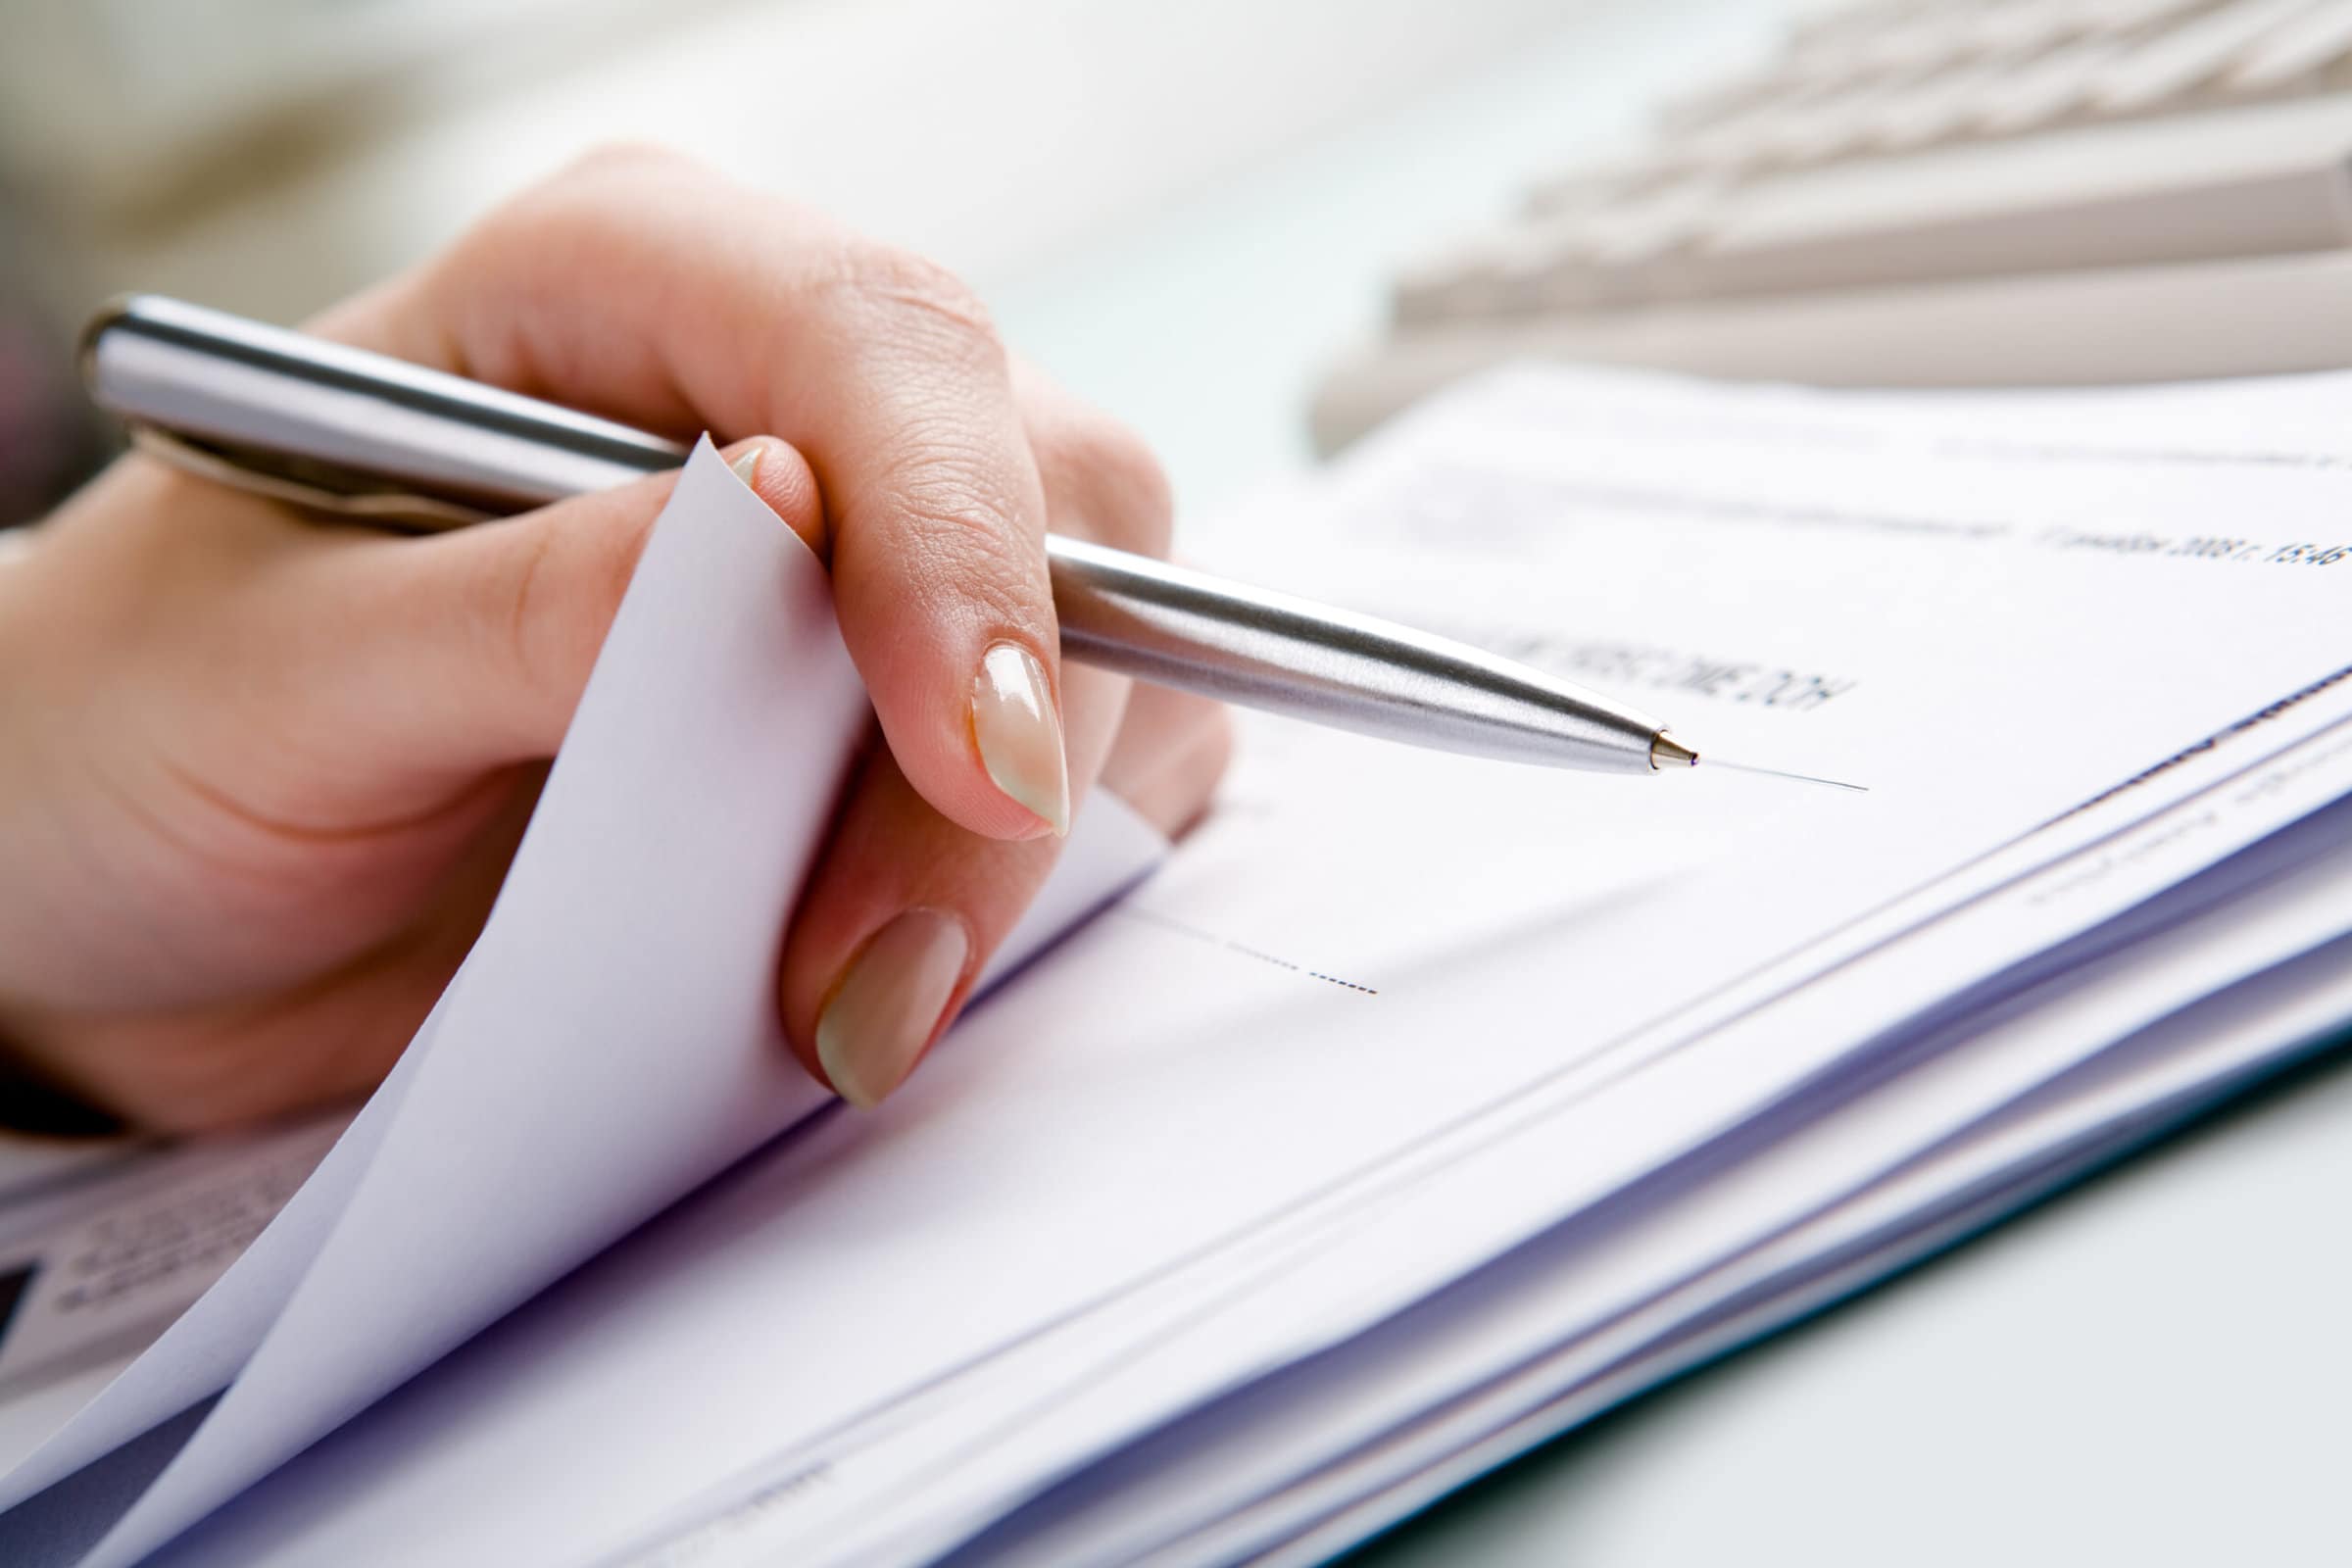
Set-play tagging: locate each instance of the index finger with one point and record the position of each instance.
(647, 289)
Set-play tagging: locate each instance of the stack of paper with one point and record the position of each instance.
(1417, 1107)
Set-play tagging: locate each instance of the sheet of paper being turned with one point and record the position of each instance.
(611, 1043)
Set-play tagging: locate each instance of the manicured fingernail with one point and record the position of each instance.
(1020, 731)
(746, 466)
(888, 1006)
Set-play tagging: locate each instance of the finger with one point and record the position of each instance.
(407, 665)
(903, 911)
(1170, 753)
(650, 290)
(906, 905)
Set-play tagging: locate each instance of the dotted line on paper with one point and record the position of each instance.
(1242, 947)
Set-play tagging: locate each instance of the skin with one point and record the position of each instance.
(261, 776)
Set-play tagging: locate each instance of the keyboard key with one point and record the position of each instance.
(2117, 19)
(1820, 131)
(2024, 30)
(1455, 283)
(1592, 187)
(1935, 42)
(2049, 91)
(1849, 54)
(1937, 109)
(2171, 65)
(2242, 316)
(2265, 179)
(1640, 231)
(2297, 57)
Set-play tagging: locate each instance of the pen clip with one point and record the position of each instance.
(264, 473)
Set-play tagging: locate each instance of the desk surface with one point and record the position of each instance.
(2151, 1369)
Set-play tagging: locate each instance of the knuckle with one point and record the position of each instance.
(919, 294)
(948, 558)
(1114, 480)
(960, 541)
(949, 486)
(577, 197)
(620, 157)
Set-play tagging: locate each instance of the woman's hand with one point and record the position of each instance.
(260, 777)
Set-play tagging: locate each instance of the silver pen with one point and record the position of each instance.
(381, 441)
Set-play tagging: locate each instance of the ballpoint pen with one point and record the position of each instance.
(381, 441)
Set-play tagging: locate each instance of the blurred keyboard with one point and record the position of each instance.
(1935, 193)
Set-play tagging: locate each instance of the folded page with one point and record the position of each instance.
(611, 1042)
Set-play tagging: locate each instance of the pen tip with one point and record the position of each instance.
(1667, 752)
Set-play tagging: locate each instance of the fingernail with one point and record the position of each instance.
(888, 1006)
(1013, 719)
(746, 466)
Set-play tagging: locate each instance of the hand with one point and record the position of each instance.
(260, 776)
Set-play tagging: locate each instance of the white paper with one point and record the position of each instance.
(611, 1042)
(1077, 1406)
(2077, 1125)
(1965, 725)
(1368, 947)
(128, 1255)
(2250, 976)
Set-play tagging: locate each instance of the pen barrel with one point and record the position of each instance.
(399, 445)
(1290, 656)
(346, 420)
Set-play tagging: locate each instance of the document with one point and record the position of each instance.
(611, 1043)
(2075, 1126)
(1391, 1018)
(1684, 1269)
(87, 1274)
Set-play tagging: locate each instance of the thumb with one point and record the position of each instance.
(467, 651)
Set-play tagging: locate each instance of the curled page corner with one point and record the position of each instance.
(611, 1042)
